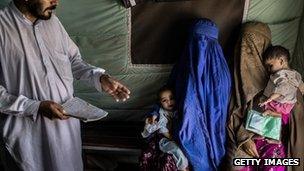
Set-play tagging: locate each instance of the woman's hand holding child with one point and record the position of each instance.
(250, 148)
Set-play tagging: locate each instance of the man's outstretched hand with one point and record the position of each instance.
(52, 110)
(113, 87)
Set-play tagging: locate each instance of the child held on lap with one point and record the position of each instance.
(162, 124)
(281, 93)
(281, 89)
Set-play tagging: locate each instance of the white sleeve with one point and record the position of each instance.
(20, 106)
(80, 69)
(149, 129)
(163, 126)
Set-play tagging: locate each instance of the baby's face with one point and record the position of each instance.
(167, 100)
(274, 65)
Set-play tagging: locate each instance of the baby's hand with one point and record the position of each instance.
(148, 120)
(271, 113)
(272, 97)
(151, 120)
(264, 103)
(266, 112)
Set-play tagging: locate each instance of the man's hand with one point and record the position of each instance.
(52, 110)
(250, 148)
(113, 87)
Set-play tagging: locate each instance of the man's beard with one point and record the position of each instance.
(36, 9)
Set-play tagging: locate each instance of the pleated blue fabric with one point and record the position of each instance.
(202, 88)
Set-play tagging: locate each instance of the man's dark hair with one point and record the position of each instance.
(162, 89)
(276, 52)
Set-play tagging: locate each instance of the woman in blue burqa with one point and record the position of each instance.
(202, 88)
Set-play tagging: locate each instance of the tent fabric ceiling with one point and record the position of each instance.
(101, 28)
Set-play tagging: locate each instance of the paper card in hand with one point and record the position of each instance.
(267, 126)
(83, 110)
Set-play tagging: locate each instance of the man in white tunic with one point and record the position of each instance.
(38, 62)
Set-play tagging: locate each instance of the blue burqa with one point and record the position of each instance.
(202, 88)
